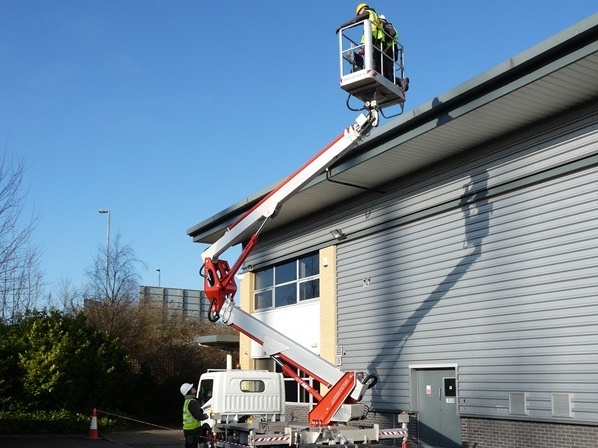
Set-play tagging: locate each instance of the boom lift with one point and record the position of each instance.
(370, 75)
(220, 288)
(345, 389)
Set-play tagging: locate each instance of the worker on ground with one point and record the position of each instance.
(363, 12)
(192, 416)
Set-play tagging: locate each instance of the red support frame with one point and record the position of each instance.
(219, 279)
(323, 412)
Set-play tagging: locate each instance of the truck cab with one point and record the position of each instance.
(235, 396)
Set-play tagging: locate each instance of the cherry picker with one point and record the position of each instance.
(341, 403)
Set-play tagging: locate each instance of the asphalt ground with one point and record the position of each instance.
(153, 438)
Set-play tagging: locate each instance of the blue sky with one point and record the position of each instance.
(167, 112)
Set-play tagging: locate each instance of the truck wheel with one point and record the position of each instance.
(206, 434)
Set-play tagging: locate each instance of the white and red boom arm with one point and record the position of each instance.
(346, 388)
(219, 282)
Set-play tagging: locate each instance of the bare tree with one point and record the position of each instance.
(112, 288)
(20, 276)
(66, 297)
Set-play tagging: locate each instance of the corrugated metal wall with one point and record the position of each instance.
(488, 262)
(492, 266)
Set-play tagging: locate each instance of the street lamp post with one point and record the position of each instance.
(159, 272)
(103, 211)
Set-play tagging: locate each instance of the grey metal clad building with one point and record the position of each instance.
(467, 278)
(178, 302)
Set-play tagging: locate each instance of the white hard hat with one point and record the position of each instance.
(186, 387)
(382, 17)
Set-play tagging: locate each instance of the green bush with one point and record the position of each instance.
(68, 365)
(52, 360)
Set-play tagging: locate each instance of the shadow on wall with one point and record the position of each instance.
(476, 216)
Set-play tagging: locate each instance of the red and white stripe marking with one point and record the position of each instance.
(393, 432)
(284, 438)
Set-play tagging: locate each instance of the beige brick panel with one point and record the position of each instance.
(328, 303)
(246, 288)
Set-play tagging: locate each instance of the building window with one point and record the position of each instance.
(288, 283)
(294, 393)
(252, 386)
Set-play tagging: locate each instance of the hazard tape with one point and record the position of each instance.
(271, 439)
(254, 441)
(252, 444)
(137, 421)
(394, 432)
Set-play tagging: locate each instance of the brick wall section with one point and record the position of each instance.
(388, 420)
(296, 412)
(413, 430)
(485, 433)
(245, 295)
(488, 433)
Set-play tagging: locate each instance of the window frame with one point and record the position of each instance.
(252, 386)
(265, 298)
(299, 394)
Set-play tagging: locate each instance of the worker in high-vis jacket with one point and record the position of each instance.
(192, 416)
(363, 12)
(390, 48)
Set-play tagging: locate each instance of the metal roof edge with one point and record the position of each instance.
(537, 53)
(227, 216)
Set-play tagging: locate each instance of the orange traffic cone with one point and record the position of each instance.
(93, 427)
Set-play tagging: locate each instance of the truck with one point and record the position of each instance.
(247, 408)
